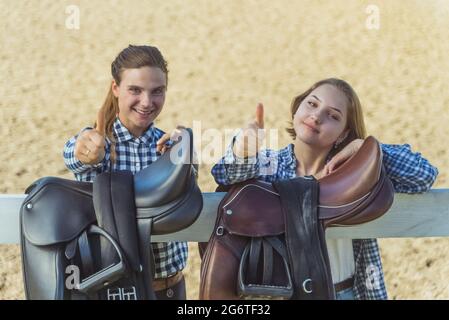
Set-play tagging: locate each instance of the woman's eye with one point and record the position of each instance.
(135, 90)
(335, 117)
(312, 104)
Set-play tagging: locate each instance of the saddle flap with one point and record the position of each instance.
(56, 210)
(246, 214)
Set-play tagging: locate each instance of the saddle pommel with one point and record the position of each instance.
(166, 179)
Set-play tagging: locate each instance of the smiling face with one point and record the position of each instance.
(141, 96)
(321, 117)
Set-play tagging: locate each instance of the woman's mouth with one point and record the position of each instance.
(314, 129)
(143, 113)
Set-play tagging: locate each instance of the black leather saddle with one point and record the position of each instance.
(82, 240)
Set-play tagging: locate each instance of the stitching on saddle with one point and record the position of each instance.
(345, 205)
(267, 285)
(277, 194)
(249, 185)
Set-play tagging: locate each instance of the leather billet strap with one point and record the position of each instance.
(85, 251)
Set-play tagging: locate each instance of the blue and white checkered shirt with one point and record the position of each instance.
(408, 171)
(133, 154)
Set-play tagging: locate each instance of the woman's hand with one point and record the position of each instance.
(173, 136)
(350, 149)
(89, 146)
(248, 141)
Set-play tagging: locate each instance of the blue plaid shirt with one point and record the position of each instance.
(408, 171)
(133, 154)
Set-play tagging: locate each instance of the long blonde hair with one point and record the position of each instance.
(132, 57)
(355, 122)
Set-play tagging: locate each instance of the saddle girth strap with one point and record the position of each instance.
(146, 252)
(113, 198)
(305, 239)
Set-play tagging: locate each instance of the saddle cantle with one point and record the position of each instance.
(242, 259)
(58, 219)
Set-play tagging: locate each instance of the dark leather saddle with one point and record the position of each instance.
(269, 239)
(84, 240)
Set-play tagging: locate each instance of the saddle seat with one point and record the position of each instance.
(346, 197)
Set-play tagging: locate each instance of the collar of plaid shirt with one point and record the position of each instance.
(122, 133)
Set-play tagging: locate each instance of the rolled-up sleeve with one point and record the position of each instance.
(231, 169)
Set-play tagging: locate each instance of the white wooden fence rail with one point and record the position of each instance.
(417, 215)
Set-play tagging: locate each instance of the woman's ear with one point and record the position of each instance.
(115, 88)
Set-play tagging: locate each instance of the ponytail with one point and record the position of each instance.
(109, 111)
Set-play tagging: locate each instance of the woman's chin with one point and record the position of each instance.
(312, 142)
(307, 136)
(143, 122)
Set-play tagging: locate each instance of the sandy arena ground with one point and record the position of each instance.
(224, 57)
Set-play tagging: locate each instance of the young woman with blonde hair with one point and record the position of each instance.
(327, 127)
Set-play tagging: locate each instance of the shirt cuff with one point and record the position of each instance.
(231, 158)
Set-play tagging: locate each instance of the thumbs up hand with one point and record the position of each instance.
(90, 144)
(248, 141)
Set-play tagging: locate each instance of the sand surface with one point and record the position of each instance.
(224, 57)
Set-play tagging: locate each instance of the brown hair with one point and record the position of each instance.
(355, 122)
(132, 57)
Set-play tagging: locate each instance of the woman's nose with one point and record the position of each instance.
(315, 117)
(145, 99)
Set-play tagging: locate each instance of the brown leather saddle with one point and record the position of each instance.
(247, 255)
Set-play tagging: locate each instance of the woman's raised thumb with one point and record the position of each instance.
(100, 126)
(259, 115)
